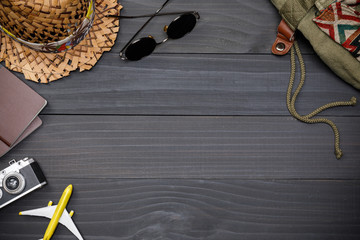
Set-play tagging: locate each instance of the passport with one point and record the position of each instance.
(19, 110)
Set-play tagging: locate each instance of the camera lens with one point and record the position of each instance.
(14, 183)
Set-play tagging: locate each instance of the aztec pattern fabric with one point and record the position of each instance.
(341, 22)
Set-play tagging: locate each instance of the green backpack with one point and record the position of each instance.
(336, 43)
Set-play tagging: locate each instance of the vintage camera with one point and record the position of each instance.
(19, 179)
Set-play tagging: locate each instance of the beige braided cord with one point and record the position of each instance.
(291, 99)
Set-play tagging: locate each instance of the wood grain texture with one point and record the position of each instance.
(195, 209)
(191, 147)
(225, 26)
(194, 85)
(195, 141)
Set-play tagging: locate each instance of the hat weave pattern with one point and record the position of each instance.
(46, 37)
(46, 67)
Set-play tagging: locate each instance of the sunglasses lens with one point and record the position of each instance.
(140, 48)
(181, 26)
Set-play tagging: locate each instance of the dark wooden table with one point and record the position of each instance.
(195, 141)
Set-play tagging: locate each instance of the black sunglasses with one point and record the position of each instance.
(180, 26)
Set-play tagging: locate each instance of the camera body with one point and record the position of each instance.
(19, 179)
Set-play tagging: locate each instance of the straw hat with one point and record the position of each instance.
(47, 39)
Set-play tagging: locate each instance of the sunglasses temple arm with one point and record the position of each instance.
(149, 15)
(143, 26)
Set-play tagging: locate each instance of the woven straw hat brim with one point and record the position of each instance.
(46, 67)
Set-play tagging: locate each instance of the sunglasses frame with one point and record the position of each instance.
(157, 13)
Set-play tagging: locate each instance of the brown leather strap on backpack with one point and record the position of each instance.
(284, 40)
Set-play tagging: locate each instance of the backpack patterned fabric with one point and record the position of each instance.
(341, 22)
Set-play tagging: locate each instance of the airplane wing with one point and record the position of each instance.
(68, 222)
(47, 212)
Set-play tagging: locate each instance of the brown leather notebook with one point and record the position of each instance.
(19, 107)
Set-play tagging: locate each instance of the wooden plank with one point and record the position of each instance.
(194, 85)
(195, 209)
(225, 26)
(191, 147)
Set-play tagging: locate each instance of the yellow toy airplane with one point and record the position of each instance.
(57, 214)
